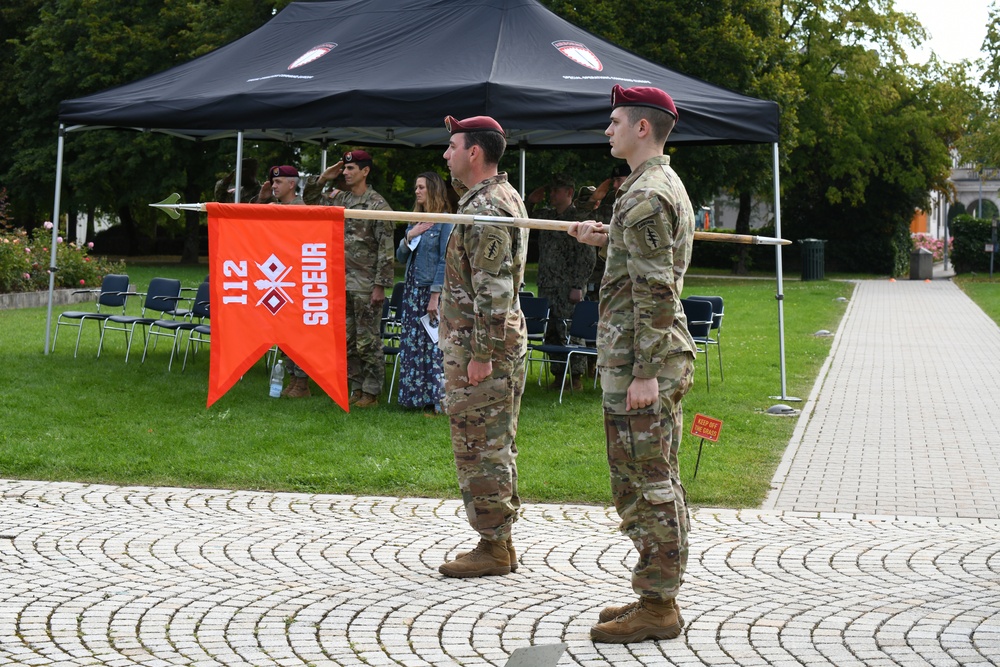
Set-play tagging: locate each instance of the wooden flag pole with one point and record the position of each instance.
(170, 206)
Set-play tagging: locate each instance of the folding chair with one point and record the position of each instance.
(113, 293)
(699, 324)
(718, 310)
(583, 326)
(536, 317)
(174, 328)
(161, 297)
(390, 339)
(197, 336)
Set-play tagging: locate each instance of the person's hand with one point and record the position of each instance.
(331, 173)
(642, 393)
(418, 229)
(536, 196)
(589, 232)
(432, 305)
(378, 295)
(479, 371)
(265, 192)
(600, 193)
(575, 295)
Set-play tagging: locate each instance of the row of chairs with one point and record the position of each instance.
(704, 321)
(161, 315)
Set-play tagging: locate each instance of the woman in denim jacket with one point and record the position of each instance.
(422, 249)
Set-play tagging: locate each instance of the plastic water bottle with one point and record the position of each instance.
(277, 379)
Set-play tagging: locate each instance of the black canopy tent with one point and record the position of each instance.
(386, 72)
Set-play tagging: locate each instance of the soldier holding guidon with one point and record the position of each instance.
(646, 358)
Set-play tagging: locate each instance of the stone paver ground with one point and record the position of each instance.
(156, 576)
(879, 546)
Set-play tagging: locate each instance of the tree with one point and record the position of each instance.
(737, 44)
(874, 132)
(78, 47)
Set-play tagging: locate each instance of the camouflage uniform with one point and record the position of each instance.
(481, 319)
(601, 214)
(643, 334)
(369, 253)
(563, 264)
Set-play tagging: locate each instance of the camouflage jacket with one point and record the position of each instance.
(369, 251)
(563, 262)
(642, 322)
(481, 317)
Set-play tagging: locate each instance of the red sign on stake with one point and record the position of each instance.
(706, 427)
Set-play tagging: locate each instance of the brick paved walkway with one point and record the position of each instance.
(840, 569)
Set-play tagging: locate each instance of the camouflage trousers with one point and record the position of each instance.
(645, 477)
(365, 358)
(560, 313)
(292, 368)
(483, 430)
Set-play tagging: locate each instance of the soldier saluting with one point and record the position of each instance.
(484, 340)
(646, 357)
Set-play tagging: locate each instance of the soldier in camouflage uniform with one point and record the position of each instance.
(369, 253)
(602, 203)
(281, 187)
(484, 340)
(564, 268)
(646, 357)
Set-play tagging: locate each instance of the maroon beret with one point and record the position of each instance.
(283, 170)
(474, 124)
(643, 96)
(357, 156)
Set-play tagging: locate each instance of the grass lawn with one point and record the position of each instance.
(105, 421)
(985, 292)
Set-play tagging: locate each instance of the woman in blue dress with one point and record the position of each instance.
(422, 249)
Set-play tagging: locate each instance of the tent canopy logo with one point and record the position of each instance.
(315, 53)
(579, 54)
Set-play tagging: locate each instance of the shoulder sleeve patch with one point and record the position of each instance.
(494, 248)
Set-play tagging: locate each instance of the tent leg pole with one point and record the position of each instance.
(239, 167)
(55, 232)
(780, 295)
(523, 174)
(322, 158)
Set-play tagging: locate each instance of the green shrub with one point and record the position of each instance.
(24, 262)
(971, 235)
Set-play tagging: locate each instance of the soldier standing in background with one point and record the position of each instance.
(646, 357)
(484, 340)
(369, 253)
(564, 268)
(602, 203)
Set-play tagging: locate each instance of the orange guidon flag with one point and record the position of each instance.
(277, 277)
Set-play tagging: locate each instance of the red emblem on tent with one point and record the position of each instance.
(579, 54)
(315, 53)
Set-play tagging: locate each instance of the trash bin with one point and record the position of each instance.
(812, 259)
(921, 264)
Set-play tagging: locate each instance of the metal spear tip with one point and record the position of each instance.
(168, 205)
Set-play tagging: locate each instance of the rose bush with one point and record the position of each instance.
(24, 259)
(935, 245)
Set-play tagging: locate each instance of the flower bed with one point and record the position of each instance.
(24, 262)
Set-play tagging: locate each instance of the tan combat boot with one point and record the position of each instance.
(366, 400)
(299, 388)
(576, 382)
(510, 554)
(488, 558)
(355, 395)
(611, 613)
(645, 620)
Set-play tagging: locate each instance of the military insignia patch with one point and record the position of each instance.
(648, 234)
(493, 248)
